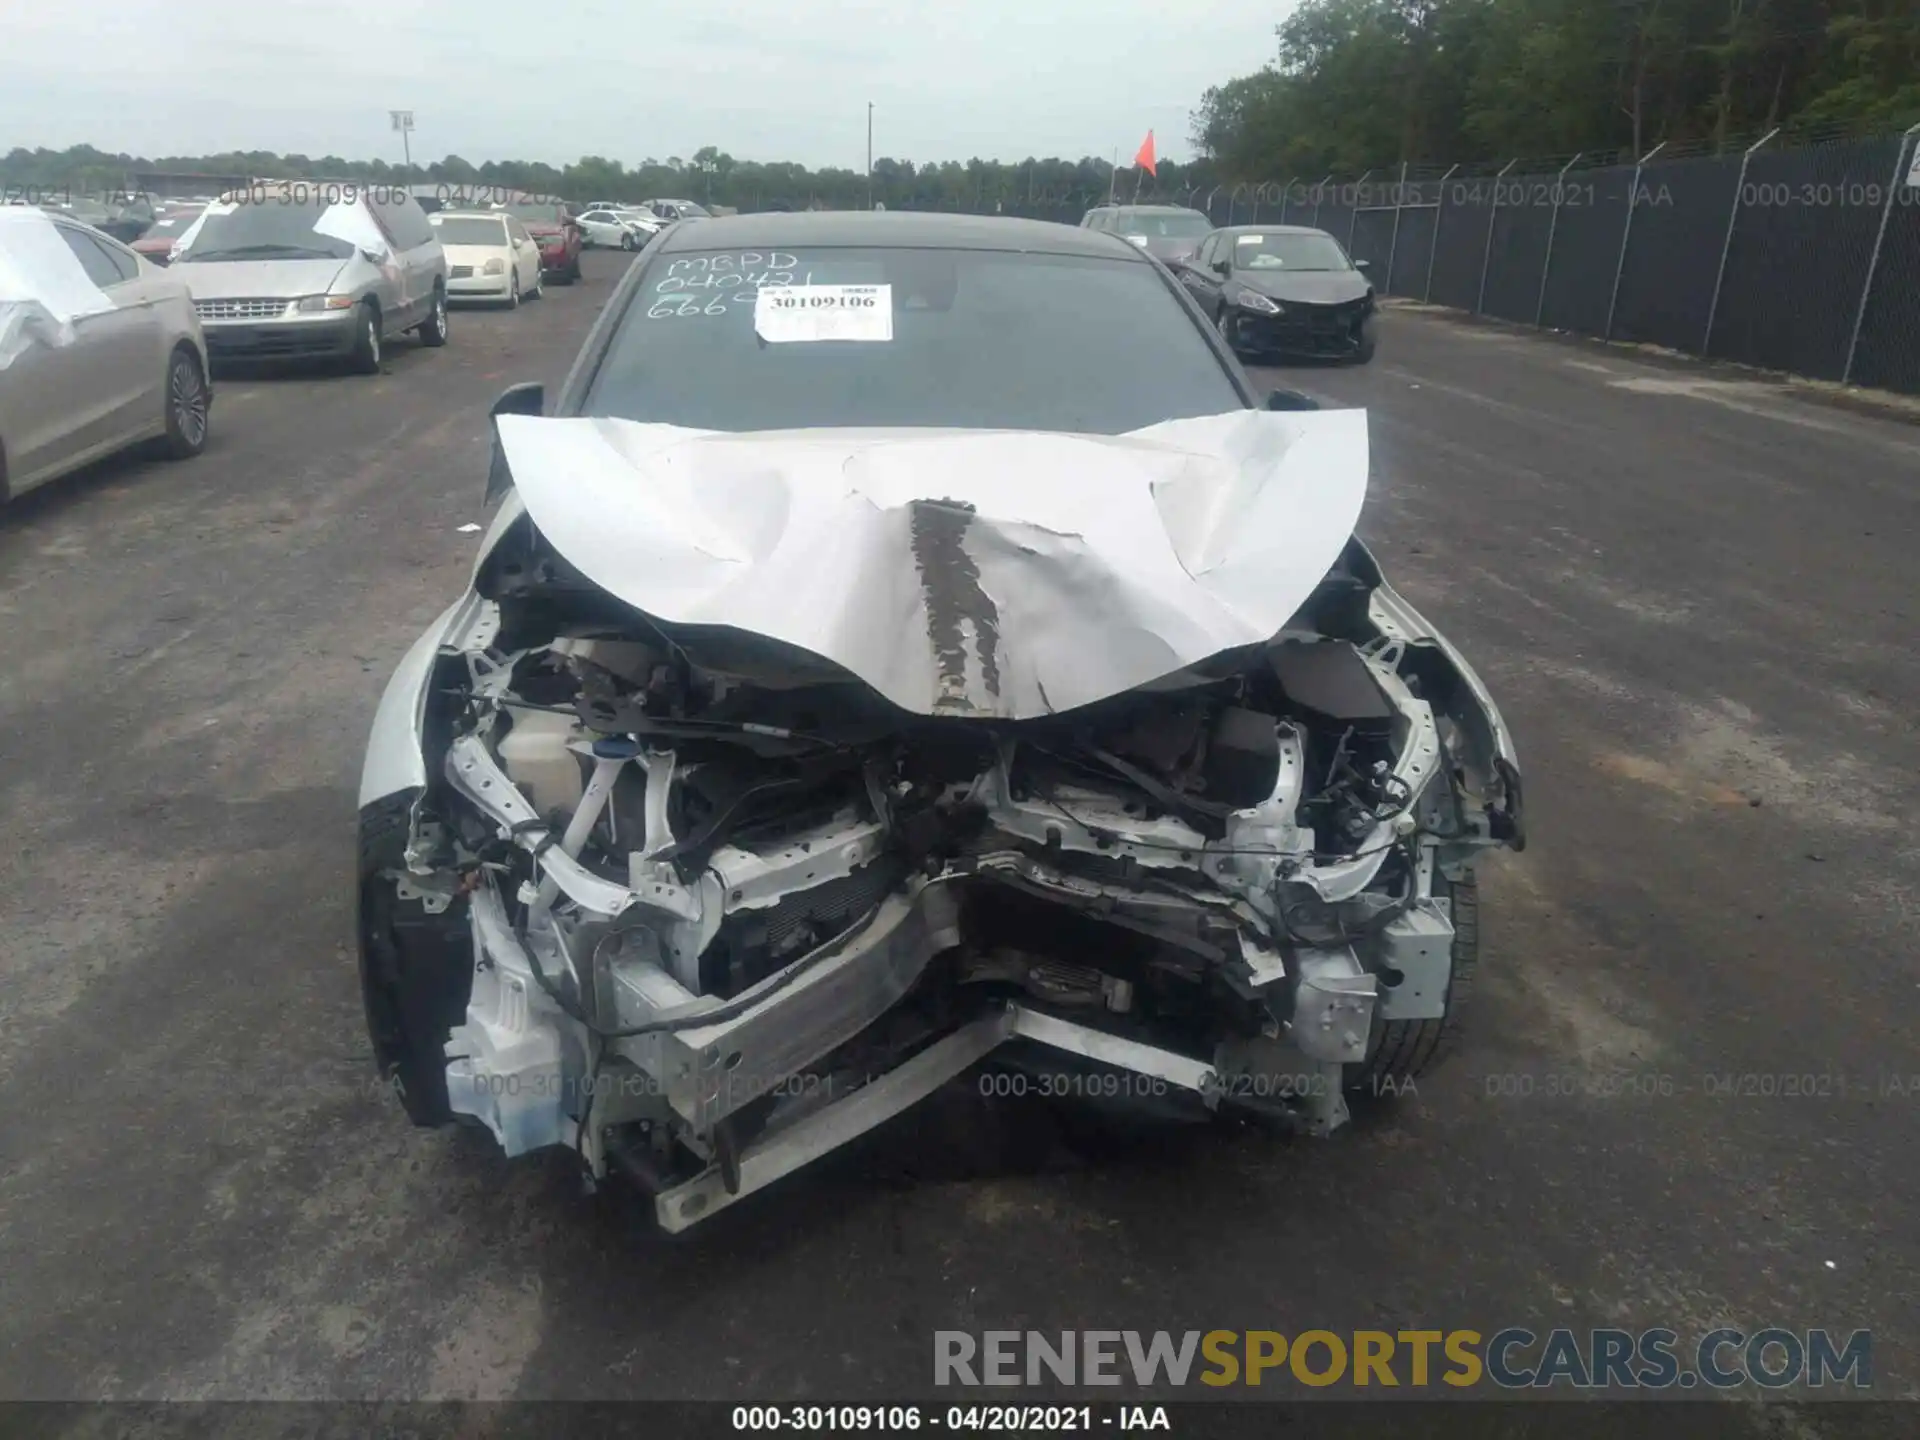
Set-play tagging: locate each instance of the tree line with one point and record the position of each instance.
(710, 176)
(1355, 85)
(1365, 84)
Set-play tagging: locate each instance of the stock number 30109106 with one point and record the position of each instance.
(961, 1419)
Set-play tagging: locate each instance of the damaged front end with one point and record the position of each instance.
(704, 906)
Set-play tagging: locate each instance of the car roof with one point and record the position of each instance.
(895, 229)
(1273, 230)
(468, 215)
(1152, 209)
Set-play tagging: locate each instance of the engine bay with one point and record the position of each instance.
(717, 890)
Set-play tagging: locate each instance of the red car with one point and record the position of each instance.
(156, 242)
(555, 231)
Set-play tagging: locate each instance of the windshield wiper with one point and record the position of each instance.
(234, 251)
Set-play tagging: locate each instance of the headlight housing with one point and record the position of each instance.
(311, 303)
(1253, 300)
(495, 266)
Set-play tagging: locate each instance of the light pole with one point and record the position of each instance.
(403, 122)
(869, 154)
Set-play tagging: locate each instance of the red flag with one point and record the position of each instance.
(1144, 159)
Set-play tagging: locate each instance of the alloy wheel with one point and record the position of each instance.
(187, 393)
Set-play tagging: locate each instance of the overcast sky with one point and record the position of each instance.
(556, 79)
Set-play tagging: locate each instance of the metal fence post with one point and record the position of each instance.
(1879, 243)
(1319, 194)
(1353, 218)
(1286, 198)
(1626, 233)
(1726, 246)
(1553, 224)
(1433, 250)
(1393, 245)
(1493, 214)
(1210, 194)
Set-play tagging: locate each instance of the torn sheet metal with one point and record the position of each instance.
(990, 574)
(43, 288)
(353, 223)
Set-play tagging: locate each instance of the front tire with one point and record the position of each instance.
(1223, 322)
(1364, 353)
(188, 403)
(433, 329)
(513, 291)
(365, 359)
(1403, 1050)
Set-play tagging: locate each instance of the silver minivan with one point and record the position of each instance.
(305, 268)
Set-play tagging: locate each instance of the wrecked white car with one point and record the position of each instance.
(910, 645)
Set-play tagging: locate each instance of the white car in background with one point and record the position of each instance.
(616, 229)
(99, 350)
(490, 256)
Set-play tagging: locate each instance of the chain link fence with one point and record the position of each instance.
(1803, 259)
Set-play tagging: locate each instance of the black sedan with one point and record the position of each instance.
(1283, 291)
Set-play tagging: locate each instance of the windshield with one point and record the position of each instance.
(469, 230)
(1288, 252)
(531, 213)
(1188, 225)
(272, 230)
(980, 340)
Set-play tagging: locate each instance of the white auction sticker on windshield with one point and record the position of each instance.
(784, 314)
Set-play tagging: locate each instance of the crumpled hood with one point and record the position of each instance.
(990, 574)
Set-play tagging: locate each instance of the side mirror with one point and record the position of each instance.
(1222, 268)
(1363, 264)
(527, 398)
(1290, 400)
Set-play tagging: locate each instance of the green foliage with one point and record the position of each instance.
(712, 176)
(1367, 83)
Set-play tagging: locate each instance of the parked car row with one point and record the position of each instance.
(315, 271)
(556, 234)
(491, 256)
(1279, 291)
(619, 227)
(108, 342)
